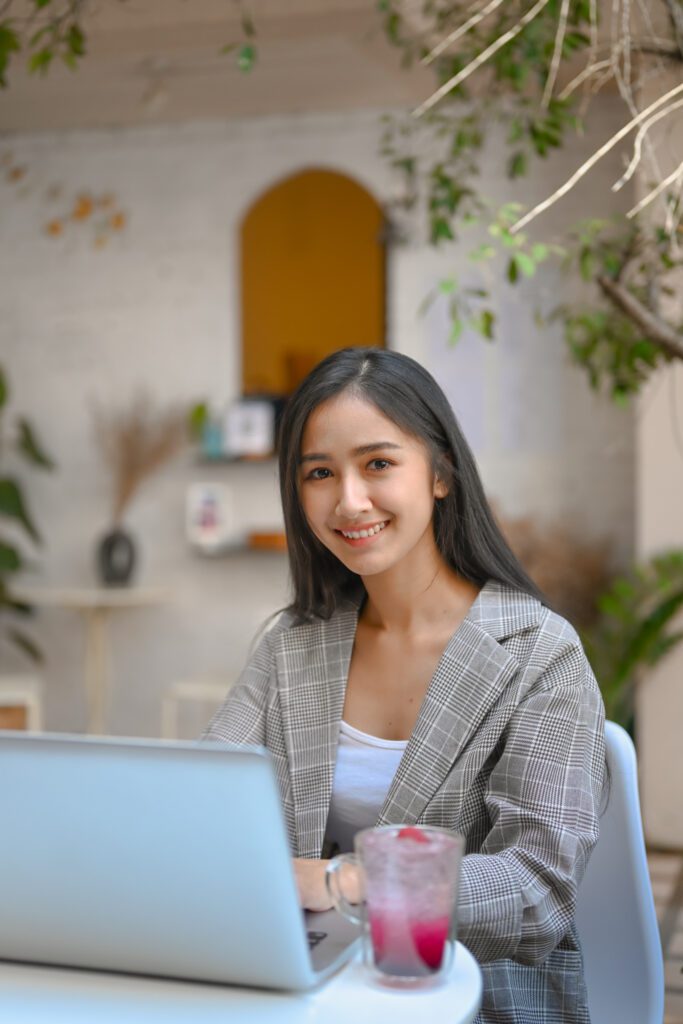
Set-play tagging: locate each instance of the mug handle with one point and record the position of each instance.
(334, 888)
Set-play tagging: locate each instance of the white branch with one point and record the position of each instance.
(593, 159)
(481, 59)
(626, 38)
(646, 200)
(638, 144)
(586, 73)
(557, 54)
(460, 31)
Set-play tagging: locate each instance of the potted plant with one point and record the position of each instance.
(136, 440)
(18, 439)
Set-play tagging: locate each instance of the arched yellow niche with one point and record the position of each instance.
(313, 277)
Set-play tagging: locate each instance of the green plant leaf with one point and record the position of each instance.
(3, 389)
(246, 57)
(9, 44)
(13, 507)
(517, 165)
(39, 62)
(526, 264)
(456, 330)
(484, 323)
(25, 644)
(75, 40)
(10, 559)
(197, 419)
(482, 252)
(30, 448)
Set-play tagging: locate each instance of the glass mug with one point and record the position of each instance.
(408, 878)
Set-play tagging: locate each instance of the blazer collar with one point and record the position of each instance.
(313, 665)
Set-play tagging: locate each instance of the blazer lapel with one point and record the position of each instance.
(473, 672)
(313, 666)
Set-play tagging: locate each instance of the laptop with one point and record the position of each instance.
(154, 857)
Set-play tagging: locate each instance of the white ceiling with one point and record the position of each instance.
(158, 61)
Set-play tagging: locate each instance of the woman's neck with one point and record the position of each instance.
(407, 602)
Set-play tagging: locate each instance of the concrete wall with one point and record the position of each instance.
(158, 306)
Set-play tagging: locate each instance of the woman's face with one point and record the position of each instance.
(367, 488)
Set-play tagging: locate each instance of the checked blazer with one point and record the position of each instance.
(507, 749)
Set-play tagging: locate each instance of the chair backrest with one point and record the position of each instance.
(615, 913)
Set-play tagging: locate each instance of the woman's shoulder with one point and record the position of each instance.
(546, 645)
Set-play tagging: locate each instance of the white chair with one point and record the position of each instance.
(210, 691)
(615, 913)
(27, 692)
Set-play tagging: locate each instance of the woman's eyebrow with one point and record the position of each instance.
(363, 449)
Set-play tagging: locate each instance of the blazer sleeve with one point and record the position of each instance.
(241, 718)
(518, 895)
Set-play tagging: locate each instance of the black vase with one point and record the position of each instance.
(116, 558)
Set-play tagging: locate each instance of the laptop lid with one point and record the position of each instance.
(151, 857)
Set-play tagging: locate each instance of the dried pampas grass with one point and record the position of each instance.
(136, 441)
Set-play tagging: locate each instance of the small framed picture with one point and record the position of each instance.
(210, 517)
(249, 429)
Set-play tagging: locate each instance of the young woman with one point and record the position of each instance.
(418, 677)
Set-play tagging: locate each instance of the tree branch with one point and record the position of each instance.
(461, 30)
(481, 58)
(656, 329)
(593, 159)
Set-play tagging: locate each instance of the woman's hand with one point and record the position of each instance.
(310, 881)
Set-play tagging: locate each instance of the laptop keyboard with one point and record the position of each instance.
(314, 938)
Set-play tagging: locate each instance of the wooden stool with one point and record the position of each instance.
(209, 690)
(21, 703)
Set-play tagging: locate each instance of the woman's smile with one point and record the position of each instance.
(360, 536)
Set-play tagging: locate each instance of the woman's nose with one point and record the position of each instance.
(353, 498)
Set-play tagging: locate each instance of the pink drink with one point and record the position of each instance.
(408, 948)
(409, 884)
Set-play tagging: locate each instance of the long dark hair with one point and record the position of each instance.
(466, 533)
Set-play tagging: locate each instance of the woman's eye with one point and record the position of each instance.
(320, 473)
(380, 464)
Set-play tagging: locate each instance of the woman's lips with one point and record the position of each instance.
(358, 541)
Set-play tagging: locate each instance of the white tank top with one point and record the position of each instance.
(365, 768)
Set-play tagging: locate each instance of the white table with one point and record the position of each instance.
(44, 995)
(96, 605)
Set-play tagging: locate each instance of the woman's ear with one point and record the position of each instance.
(440, 489)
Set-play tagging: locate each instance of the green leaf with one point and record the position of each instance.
(197, 420)
(13, 507)
(75, 40)
(9, 44)
(448, 285)
(539, 252)
(40, 61)
(29, 447)
(248, 26)
(42, 3)
(526, 264)
(456, 330)
(517, 165)
(246, 57)
(3, 389)
(25, 644)
(483, 323)
(440, 230)
(10, 559)
(512, 270)
(586, 264)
